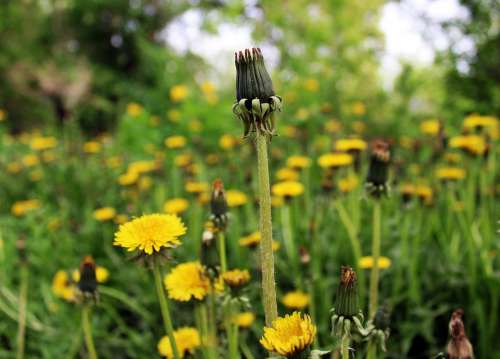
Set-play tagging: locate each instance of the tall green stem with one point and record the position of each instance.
(344, 349)
(266, 244)
(23, 299)
(375, 255)
(87, 331)
(165, 312)
(222, 251)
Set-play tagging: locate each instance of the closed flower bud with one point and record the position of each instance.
(378, 172)
(88, 282)
(209, 255)
(255, 98)
(459, 346)
(346, 303)
(218, 205)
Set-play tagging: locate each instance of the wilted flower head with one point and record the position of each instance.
(218, 205)
(88, 282)
(459, 346)
(255, 98)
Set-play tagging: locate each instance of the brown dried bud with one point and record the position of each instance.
(377, 178)
(459, 346)
(88, 282)
(218, 205)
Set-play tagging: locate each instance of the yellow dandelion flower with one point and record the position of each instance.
(196, 187)
(227, 141)
(187, 340)
(36, 175)
(348, 183)
(208, 88)
(150, 233)
(298, 162)
(333, 160)
(290, 131)
(236, 277)
(302, 114)
(425, 193)
(287, 174)
(128, 178)
(430, 127)
(134, 109)
(174, 115)
(183, 160)
(477, 121)
(178, 93)
(101, 275)
(289, 335)
(121, 218)
(359, 127)
(244, 319)
(253, 239)
(104, 214)
(187, 281)
(287, 189)
(30, 160)
(367, 262)
(174, 142)
(277, 201)
(450, 173)
(92, 147)
(235, 198)
(141, 167)
(295, 300)
(20, 208)
(175, 205)
(14, 167)
(452, 157)
(332, 126)
(350, 144)
(311, 85)
(62, 286)
(145, 183)
(472, 143)
(43, 143)
(358, 108)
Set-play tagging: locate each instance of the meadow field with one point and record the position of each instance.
(287, 205)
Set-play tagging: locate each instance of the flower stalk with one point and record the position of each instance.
(375, 272)
(23, 299)
(165, 312)
(87, 331)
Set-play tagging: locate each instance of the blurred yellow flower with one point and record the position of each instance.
(134, 109)
(183, 160)
(277, 201)
(350, 144)
(30, 160)
(174, 142)
(187, 281)
(452, 157)
(92, 147)
(175, 205)
(359, 127)
(332, 126)
(302, 114)
(196, 187)
(367, 262)
(430, 127)
(477, 121)
(295, 300)
(114, 161)
(235, 198)
(290, 335)
(311, 85)
(3, 115)
(253, 239)
(227, 141)
(288, 189)
(236, 278)
(48, 156)
(145, 183)
(43, 143)
(208, 88)
(14, 167)
(195, 126)
(187, 340)
(36, 175)
(143, 166)
(128, 178)
(471, 143)
(121, 218)
(178, 93)
(347, 184)
(154, 121)
(290, 131)
(244, 319)
(298, 162)
(20, 208)
(150, 233)
(358, 108)
(425, 193)
(174, 115)
(287, 174)
(450, 173)
(104, 214)
(332, 160)
(62, 287)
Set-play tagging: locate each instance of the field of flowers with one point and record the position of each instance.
(274, 221)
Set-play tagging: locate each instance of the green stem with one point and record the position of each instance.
(345, 346)
(266, 244)
(372, 350)
(23, 299)
(165, 312)
(87, 331)
(374, 278)
(289, 242)
(222, 251)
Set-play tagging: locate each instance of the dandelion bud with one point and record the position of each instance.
(346, 303)
(255, 97)
(209, 255)
(218, 205)
(459, 346)
(88, 282)
(377, 178)
(305, 257)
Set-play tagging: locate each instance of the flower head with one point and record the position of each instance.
(175, 205)
(187, 281)
(236, 278)
(377, 178)
(174, 142)
(218, 205)
(63, 287)
(288, 189)
(289, 335)
(187, 340)
(298, 162)
(235, 198)
(450, 173)
(296, 300)
(244, 320)
(179, 93)
(104, 214)
(350, 144)
(334, 160)
(346, 303)
(367, 262)
(150, 233)
(20, 208)
(430, 127)
(88, 281)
